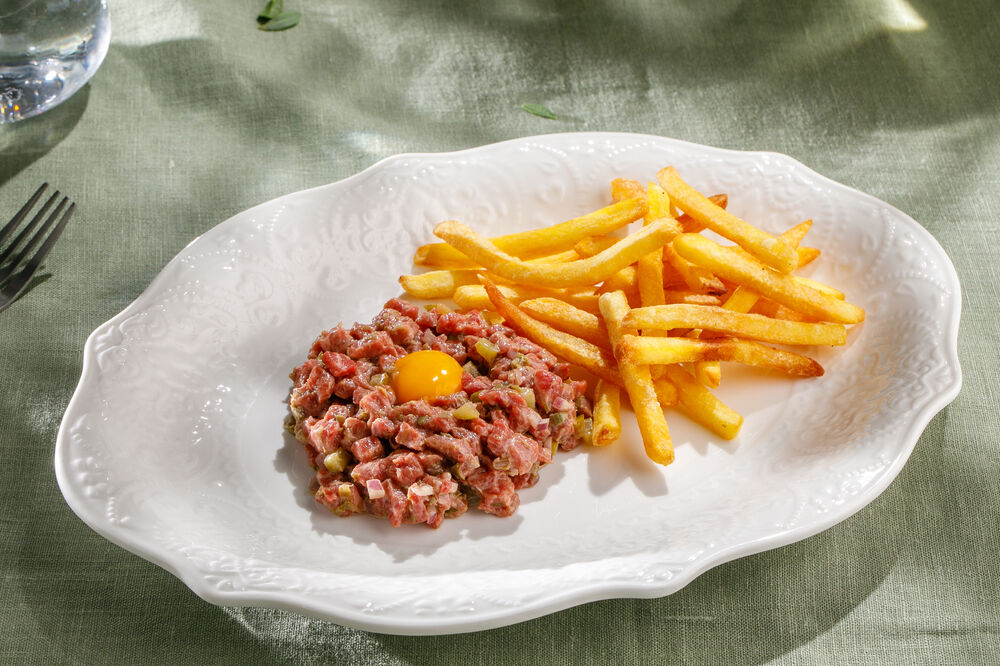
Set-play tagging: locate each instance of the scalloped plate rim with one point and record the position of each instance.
(195, 580)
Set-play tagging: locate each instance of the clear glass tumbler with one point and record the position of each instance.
(48, 50)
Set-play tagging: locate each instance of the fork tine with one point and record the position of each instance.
(20, 215)
(16, 284)
(38, 234)
(27, 230)
(43, 251)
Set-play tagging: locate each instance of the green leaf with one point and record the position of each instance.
(538, 110)
(271, 10)
(283, 21)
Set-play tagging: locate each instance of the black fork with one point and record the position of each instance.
(17, 265)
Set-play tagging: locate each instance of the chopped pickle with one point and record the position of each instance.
(519, 361)
(471, 368)
(526, 393)
(584, 429)
(487, 349)
(380, 379)
(557, 419)
(336, 461)
(466, 412)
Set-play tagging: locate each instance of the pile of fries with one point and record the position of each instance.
(653, 312)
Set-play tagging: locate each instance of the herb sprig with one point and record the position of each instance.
(539, 110)
(274, 17)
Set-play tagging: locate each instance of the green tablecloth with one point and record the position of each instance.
(197, 115)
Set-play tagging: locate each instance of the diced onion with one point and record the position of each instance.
(375, 489)
(421, 489)
(561, 404)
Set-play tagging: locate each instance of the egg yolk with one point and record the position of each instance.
(425, 374)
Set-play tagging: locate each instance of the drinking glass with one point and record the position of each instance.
(48, 50)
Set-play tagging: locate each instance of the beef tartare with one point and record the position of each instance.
(423, 460)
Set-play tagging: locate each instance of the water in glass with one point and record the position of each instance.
(48, 50)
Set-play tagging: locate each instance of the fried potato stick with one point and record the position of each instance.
(474, 296)
(569, 319)
(638, 385)
(575, 273)
(437, 284)
(733, 265)
(702, 405)
(566, 346)
(763, 246)
(736, 324)
(546, 240)
(666, 351)
(607, 414)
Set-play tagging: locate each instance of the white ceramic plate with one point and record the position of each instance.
(172, 445)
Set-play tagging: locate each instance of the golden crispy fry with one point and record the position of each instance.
(461, 262)
(702, 405)
(437, 284)
(649, 268)
(769, 308)
(638, 385)
(781, 288)
(607, 413)
(692, 298)
(473, 296)
(627, 279)
(548, 239)
(694, 277)
(693, 226)
(765, 247)
(588, 247)
(570, 319)
(807, 255)
(737, 324)
(575, 273)
(566, 346)
(623, 188)
(665, 351)
(820, 287)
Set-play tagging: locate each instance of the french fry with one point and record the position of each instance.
(570, 319)
(474, 296)
(437, 284)
(693, 226)
(672, 296)
(607, 414)
(575, 273)
(780, 288)
(820, 287)
(702, 405)
(627, 279)
(547, 240)
(743, 299)
(763, 246)
(666, 351)
(569, 347)
(639, 385)
(807, 255)
(625, 188)
(736, 324)
(592, 245)
(649, 268)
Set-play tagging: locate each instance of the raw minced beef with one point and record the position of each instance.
(417, 462)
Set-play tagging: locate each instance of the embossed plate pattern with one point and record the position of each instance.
(172, 444)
